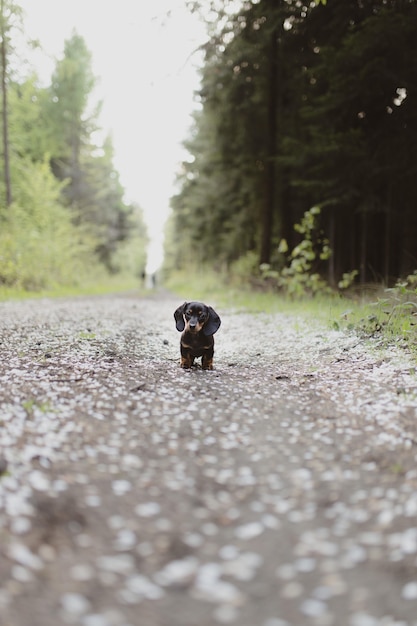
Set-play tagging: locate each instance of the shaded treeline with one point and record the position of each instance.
(304, 105)
(63, 218)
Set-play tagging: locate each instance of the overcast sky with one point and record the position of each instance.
(143, 56)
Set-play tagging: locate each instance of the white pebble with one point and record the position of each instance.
(305, 564)
(194, 540)
(163, 525)
(47, 552)
(286, 571)
(21, 574)
(147, 509)
(16, 504)
(270, 521)
(115, 617)
(116, 521)
(20, 525)
(5, 599)
(81, 572)
(301, 477)
(120, 487)
(95, 619)
(410, 507)
(208, 573)
(209, 529)
(59, 485)
(249, 531)
(363, 619)
(385, 517)
(238, 569)
(177, 573)
(252, 559)
(143, 587)
(326, 548)
(93, 500)
(219, 591)
(409, 591)
(293, 589)
(322, 593)
(21, 554)
(125, 539)
(372, 538)
(119, 564)
(83, 540)
(228, 552)
(74, 603)
(125, 596)
(39, 481)
(409, 541)
(145, 549)
(226, 614)
(313, 608)
(131, 460)
(354, 554)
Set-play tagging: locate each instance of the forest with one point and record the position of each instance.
(303, 150)
(63, 217)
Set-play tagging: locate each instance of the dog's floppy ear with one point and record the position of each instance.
(179, 317)
(213, 323)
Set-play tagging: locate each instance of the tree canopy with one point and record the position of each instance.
(62, 209)
(304, 105)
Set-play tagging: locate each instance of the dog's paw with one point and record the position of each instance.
(186, 362)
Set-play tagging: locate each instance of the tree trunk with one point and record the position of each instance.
(363, 247)
(270, 181)
(6, 158)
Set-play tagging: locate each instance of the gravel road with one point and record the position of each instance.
(279, 489)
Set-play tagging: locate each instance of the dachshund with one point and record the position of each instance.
(197, 322)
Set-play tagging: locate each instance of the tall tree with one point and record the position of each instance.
(70, 218)
(10, 15)
(93, 190)
(306, 104)
(68, 119)
(360, 113)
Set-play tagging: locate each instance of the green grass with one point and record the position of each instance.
(389, 315)
(31, 405)
(216, 290)
(100, 286)
(390, 320)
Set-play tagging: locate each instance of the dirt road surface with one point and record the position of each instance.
(279, 489)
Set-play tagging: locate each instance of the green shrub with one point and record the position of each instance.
(40, 247)
(392, 318)
(245, 268)
(299, 276)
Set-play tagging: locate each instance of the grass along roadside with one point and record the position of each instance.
(389, 316)
(96, 286)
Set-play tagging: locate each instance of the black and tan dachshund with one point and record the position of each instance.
(197, 322)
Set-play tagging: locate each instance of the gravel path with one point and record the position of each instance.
(279, 489)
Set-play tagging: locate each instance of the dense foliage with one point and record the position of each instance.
(302, 105)
(63, 218)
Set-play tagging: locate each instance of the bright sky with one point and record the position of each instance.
(143, 57)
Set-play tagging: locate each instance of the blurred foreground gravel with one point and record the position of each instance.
(278, 490)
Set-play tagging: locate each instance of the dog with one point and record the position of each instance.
(197, 322)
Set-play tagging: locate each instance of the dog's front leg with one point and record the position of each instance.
(207, 360)
(186, 358)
